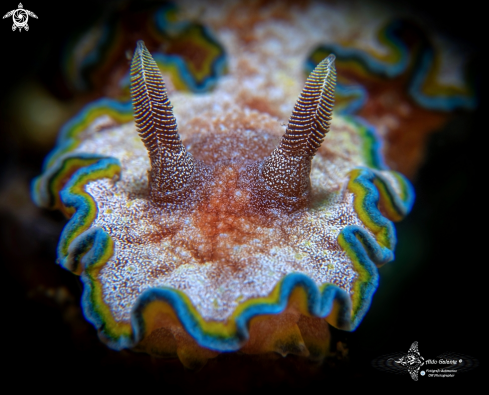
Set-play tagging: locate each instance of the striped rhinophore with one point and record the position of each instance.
(287, 169)
(171, 165)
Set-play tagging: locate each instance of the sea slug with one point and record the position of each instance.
(213, 224)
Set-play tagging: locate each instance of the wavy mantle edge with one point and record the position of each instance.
(422, 64)
(85, 250)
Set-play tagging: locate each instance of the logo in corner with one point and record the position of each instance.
(412, 361)
(20, 16)
(447, 364)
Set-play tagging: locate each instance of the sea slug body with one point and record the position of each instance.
(204, 225)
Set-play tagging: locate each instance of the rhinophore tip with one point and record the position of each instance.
(288, 167)
(171, 165)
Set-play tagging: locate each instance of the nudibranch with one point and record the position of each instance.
(223, 233)
(394, 71)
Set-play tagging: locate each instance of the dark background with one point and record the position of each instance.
(432, 293)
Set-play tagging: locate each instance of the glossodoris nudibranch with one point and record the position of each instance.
(227, 232)
(235, 237)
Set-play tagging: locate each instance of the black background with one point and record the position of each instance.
(432, 293)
